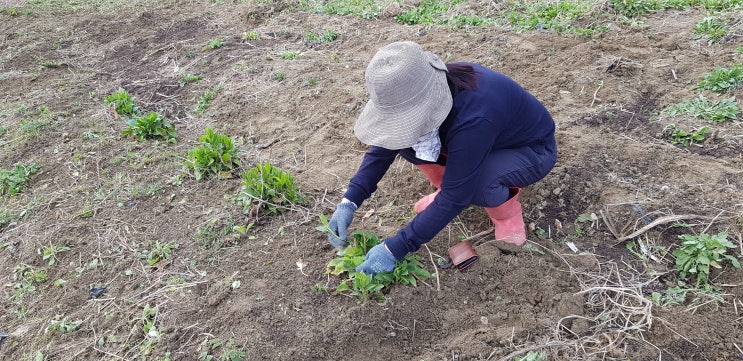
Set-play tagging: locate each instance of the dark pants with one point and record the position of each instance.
(518, 167)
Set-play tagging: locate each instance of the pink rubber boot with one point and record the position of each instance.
(508, 221)
(434, 173)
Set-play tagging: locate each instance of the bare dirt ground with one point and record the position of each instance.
(108, 198)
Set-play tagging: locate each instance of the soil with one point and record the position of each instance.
(110, 198)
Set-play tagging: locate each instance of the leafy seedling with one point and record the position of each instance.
(12, 181)
(216, 154)
(215, 43)
(697, 254)
(267, 189)
(206, 99)
(686, 138)
(150, 125)
(325, 226)
(722, 80)
(366, 287)
(49, 253)
(122, 103)
(709, 110)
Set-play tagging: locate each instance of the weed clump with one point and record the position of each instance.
(12, 181)
(216, 154)
(365, 287)
(150, 125)
(267, 189)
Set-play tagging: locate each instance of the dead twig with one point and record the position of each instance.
(438, 282)
(656, 222)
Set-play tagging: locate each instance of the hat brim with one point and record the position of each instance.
(401, 128)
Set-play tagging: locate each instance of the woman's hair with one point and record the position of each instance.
(461, 77)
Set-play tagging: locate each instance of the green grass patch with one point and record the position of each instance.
(365, 9)
(549, 15)
(722, 80)
(709, 110)
(711, 29)
(326, 36)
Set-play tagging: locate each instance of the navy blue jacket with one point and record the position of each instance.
(499, 114)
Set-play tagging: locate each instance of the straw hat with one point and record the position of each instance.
(409, 96)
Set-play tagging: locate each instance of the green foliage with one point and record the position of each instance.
(556, 16)
(216, 153)
(290, 54)
(189, 78)
(61, 324)
(157, 251)
(697, 254)
(365, 287)
(636, 8)
(327, 36)
(150, 125)
(228, 351)
(251, 35)
(37, 121)
(680, 136)
(710, 28)
(722, 80)
(122, 102)
(533, 356)
(365, 9)
(267, 189)
(701, 107)
(428, 12)
(12, 181)
(215, 43)
(206, 99)
(49, 253)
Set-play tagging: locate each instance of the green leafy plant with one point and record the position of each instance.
(216, 154)
(228, 351)
(63, 325)
(49, 253)
(290, 54)
(428, 12)
(206, 99)
(122, 102)
(533, 356)
(722, 80)
(157, 251)
(557, 16)
(12, 181)
(150, 125)
(215, 43)
(365, 287)
(326, 36)
(189, 78)
(365, 9)
(701, 107)
(697, 254)
(267, 189)
(710, 28)
(687, 138)
(278, 75)
(37, 121)
(251, 36)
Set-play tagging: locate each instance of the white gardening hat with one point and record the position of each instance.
(409, 96)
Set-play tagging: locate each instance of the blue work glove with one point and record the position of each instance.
(378, 259)
(339, 223)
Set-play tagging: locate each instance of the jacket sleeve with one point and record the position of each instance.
(375, 164)
(468, 147)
